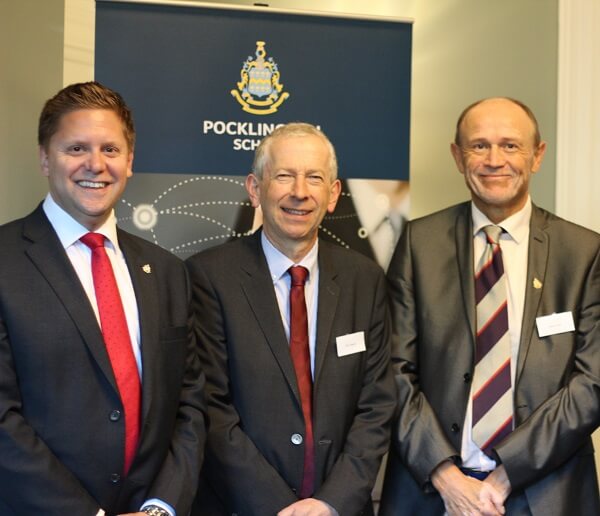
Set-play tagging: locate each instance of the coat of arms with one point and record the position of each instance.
(259, 92)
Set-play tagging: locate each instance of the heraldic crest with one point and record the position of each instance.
(259, 92)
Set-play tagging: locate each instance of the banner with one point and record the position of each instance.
(207, 82)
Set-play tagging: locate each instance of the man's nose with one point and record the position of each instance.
(299, 188)
(95, 161)
(495, 156)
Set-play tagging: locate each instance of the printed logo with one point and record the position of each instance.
(259, 92)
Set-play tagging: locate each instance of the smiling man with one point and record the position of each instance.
(496, 340)
(294, 335)
(101, 403)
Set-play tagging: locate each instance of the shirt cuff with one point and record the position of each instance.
(159, 503)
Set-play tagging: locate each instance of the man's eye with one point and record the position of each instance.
(315, 179)
(283, 177)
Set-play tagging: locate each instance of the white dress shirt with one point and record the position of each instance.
(514, 242)
(278, 266)
(69, 232)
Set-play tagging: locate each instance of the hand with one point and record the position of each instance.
(308, 507)
(498, 479)
(464, 495)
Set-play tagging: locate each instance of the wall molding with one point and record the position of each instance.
(578, 113)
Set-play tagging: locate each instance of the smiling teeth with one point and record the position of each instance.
(91, 184)
(296, 212)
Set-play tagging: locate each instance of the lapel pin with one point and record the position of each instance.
(537, 283)
(147, 269)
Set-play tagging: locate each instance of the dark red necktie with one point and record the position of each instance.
(117, 341)
(301, 359)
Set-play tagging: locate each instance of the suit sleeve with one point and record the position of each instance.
(231, 456)
(348, 485)
(32, 479)
(417, 436)
(560, 425)
(177, 480)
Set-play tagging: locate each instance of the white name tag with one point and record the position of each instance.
(554, 324)
(350, 344)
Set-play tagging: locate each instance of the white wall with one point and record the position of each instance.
(31, 66)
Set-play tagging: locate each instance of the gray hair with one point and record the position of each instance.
(262, 157)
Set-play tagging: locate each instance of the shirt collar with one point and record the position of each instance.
(70, 231)
(279, 263)
(517, 225)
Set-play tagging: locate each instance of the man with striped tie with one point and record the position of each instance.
(496, 340)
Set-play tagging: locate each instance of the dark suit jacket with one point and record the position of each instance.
(61, 441)
(252, 465)
(557, 388)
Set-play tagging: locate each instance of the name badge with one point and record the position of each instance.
(554, 324)
(350, 344)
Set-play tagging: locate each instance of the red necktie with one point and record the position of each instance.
(117, 341)
(492, 392)
(301, 359)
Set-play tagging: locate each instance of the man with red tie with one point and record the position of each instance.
(293, 333)
(101, 404)
(496, 340)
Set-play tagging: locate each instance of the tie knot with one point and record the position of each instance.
(298, 274)
(93, 240)
(493, 233)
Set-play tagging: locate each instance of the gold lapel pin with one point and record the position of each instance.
(147, 269)
(537, 283)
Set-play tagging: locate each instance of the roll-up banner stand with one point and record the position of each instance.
(206, 82)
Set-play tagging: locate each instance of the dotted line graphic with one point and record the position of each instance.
(199, 216)
(205, 203)
(182, 248)
(335, 237)
(195, 179)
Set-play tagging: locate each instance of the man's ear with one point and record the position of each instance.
(457, 154)
(253, 188)
(335, 190)
(44, 161)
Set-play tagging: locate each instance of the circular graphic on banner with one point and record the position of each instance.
(145, 216)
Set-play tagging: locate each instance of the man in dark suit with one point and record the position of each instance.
(516, 440)
(101, 405)
(298, 426)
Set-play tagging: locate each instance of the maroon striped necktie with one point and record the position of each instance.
(301, 358)
(117, 341)
(492, 392)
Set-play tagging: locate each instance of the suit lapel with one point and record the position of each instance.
(143, 279)
(49, 256)
(258, 289)
(464, 254)
(329, 292)
(536, 270)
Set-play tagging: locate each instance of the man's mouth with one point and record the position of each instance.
(92, 184)
(292, 211)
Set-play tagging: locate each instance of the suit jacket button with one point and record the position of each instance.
(455, 428)
(296, 439)
(115, 477)
(115, 415)
(467, 377)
